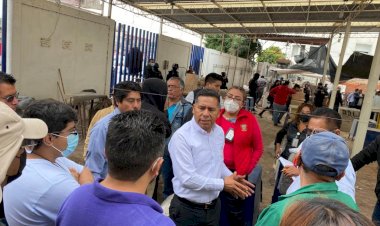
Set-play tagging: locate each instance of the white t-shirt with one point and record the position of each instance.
(37, 195)
(345, 185)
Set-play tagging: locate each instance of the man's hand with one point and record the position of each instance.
(75, 174)
(277, 152)
(290, 171)
(238, 186)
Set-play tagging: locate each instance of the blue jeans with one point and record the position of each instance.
(376, 214)
(278, 112)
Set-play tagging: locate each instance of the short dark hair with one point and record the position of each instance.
(134, 140)
(207, 93)
(213, 77)
(7, 78)
(122, 90)
(286, 82)
(55, 114)
(333, 118)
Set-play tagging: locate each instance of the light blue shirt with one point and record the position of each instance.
(171, 111)
(198, 165)
(37, 195)
(95, 157)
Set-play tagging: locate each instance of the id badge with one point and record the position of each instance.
(230, 135)
(295, 142)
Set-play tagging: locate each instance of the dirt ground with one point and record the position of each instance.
(365, 181)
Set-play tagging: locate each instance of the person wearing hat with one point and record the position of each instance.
(37, 195)
(13, 130)
(324, 119)
(318, 173)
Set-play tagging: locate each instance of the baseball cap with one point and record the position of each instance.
(13, 130)
(325, 149)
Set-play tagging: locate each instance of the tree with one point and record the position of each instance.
(245, 47)
(270, 55)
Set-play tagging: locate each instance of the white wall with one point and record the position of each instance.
(174, 51)
(85, 61)
(238, 69)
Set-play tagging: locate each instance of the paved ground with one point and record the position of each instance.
(366, 177)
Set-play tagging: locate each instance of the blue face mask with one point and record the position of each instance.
(72, 143)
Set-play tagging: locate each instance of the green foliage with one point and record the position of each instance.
(232, 44)
(271, 55)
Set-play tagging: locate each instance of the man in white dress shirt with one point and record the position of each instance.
(196, 150)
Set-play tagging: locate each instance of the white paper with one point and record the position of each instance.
(285, 162)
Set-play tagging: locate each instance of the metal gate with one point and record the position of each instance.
(197, 53)
(133, 48)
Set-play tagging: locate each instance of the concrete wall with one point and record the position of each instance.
(80, 45)
(238, 69)
(174, 51)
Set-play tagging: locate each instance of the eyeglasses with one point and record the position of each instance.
(57, 133)
(10, 98)
(230, 96)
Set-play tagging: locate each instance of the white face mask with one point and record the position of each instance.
(231, 106)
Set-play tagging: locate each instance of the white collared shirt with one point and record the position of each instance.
(198, 164)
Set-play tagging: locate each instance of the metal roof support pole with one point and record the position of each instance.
(327, 59)
(161, 24)
(339, 69)
(236, 61)
(246, 64)
(201, 61)
(109, 8)
(221, 48)
(367, 102)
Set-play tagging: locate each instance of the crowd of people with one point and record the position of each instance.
(203, 146)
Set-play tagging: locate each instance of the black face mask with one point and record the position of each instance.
(21, 167)
(304, 118)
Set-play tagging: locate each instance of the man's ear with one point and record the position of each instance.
(337, 178)
(48, 140)
(155, 169)
(297, 159)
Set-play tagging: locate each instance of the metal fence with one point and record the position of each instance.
(133, 48)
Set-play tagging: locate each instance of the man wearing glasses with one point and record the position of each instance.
(321, 120)
(8, 92)
(36, 196)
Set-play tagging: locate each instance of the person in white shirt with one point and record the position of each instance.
(325, 119)
(196, 150)
(48, 178)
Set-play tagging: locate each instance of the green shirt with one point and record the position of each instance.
(272, 214)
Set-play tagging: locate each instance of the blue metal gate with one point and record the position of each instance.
(197, 53)
(132, 49)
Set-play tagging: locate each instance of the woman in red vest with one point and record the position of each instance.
(243, 146)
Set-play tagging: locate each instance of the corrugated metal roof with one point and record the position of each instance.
(264, 17)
